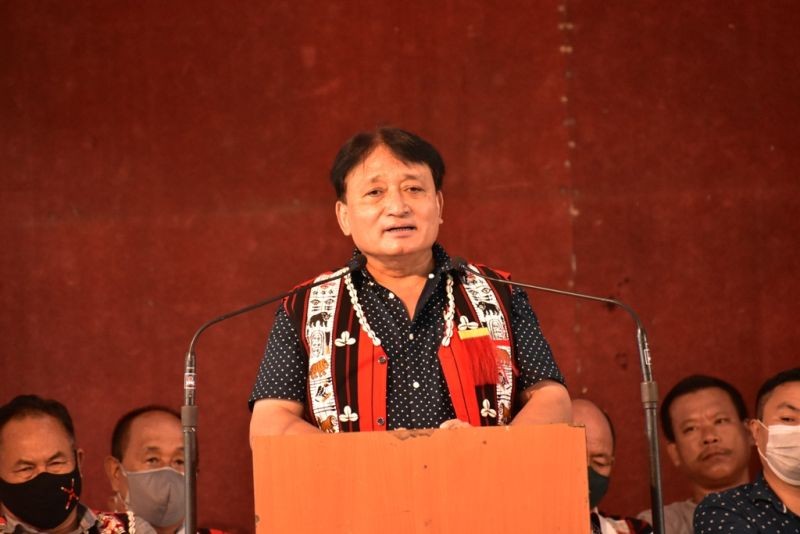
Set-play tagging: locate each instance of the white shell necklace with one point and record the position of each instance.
(449, 312)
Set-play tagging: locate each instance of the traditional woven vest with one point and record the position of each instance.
(347, 372)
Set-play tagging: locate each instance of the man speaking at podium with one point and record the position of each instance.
(406, 341)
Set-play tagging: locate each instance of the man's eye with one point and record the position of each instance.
(689, 429)
(152, 460)
(24, 469)
(722, 420)
(373, 193)
(788, 419)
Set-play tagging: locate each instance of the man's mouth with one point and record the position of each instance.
(399, 229)
(714, 454)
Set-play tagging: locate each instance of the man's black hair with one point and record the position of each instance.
(35, 406)
(765, 391)
(694, 383)
(406, 146)
(122, 430)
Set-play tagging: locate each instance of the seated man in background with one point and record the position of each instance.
(40, 473)
(600, 442)
(145, 468)
(772, 502)
(704, 421)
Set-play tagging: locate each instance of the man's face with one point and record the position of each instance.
(599, 440)
(32, 445)
(155, 440)
(391, 208)
(781, 408)
(712, 446)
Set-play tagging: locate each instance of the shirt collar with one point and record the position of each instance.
(441, 261)
(760, 491)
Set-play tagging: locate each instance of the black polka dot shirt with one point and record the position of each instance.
(748, 508)
(417, 394)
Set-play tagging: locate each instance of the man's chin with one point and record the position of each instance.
(720, 476)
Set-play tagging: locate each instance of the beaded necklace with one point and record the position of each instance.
(449, 311)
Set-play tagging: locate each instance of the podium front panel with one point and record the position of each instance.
(492, 479)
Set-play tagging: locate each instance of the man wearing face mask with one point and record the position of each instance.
(600, 456)
(704, 420)
(40, 476)
(145, 468)
(771, 504)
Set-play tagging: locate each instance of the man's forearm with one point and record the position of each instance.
(545, 402)
(276, 418)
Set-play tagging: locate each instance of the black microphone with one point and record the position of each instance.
(460, 264)
(649, 389)
(189, 409)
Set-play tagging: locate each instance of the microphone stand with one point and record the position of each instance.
(189, 409)
(649, 389)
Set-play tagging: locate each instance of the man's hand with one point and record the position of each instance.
(454, 423)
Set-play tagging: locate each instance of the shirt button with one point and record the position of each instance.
(391, 295)
(382, 360)
(411, 336)
(416, 385)
(380, 421)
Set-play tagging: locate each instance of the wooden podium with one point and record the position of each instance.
(491, 479)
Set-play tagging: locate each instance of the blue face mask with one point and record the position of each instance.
(598, 486)
(45, 501)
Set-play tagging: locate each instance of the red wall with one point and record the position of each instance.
(163, 162)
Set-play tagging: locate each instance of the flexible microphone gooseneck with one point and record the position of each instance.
(649, 389)
(189, 409)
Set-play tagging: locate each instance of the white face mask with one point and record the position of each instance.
(783, 452)
(156, 495)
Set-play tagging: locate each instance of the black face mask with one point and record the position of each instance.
(598, 486)
(44, 501)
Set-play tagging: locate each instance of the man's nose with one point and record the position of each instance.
(38, 470)
(710, 434)
(396, 203)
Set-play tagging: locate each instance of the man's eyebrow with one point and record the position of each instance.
(24, 462)
(789, 405)
(57, 456)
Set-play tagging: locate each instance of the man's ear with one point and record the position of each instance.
(672, 452)
(751, 441)
(754, 426)
(79, 459)
(114, 474)
(343, 216)
(440, 202)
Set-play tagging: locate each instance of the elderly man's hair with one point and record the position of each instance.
(122, 430)
(692, 384)
(406, 146)
(35, 406)
(765, 391)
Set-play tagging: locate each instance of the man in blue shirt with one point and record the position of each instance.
(771, 504)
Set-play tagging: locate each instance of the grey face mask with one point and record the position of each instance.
(157, 495)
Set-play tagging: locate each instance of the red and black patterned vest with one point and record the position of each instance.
(347, 373)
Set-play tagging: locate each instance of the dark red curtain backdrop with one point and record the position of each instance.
(164, 162)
